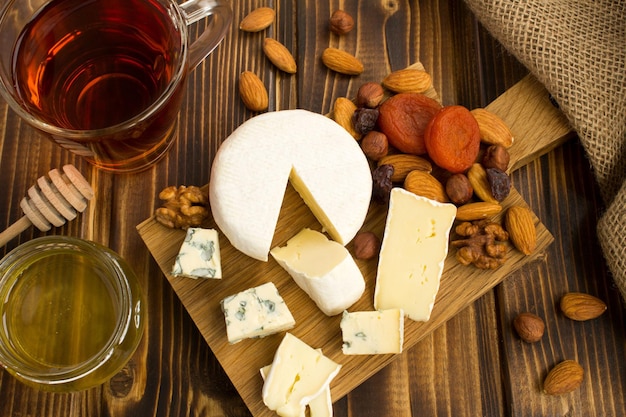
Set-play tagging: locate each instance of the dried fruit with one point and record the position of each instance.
(366, 245)
(369, 95)
(521, 227)
(483, 244)
(375, 145)
(493, 130)
(424, 184)
(404, 117)
(403, 164)
(459, 189)
(258, 19)
(477, 176)
(364, 120)
(478, 210)
(499, 182)
(408, 80)
(530, 327)
(253, 92)
(581, 307)
(341, 61)
(382, 184)
(341, 22)
(343, 113)
(564, 378)
(452, 139)
(496, 156)
(279, 55)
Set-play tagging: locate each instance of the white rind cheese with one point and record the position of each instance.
(253, 166)
(199, 255)
(372, 332)
(297, 376)
(412, 254)
(256, 312)
(323, 269)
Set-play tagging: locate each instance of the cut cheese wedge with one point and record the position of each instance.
(253, 166)
(412, 254)
(323, 269)
(372, 332)
(297, 376)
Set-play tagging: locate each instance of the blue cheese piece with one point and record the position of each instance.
(256, 312)
(372, 332)
(199, 255)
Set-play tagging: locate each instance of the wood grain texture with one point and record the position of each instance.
(471, 365)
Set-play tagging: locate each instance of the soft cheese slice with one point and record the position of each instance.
(298, 375)
(323, 268)
(256, 312)
(253, 166)
(199, 255)
(412, 254)
(372, 332)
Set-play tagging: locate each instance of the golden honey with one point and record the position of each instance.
(71, 313)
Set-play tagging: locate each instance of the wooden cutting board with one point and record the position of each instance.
(537, 126)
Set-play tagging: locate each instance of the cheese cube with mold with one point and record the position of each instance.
(412, 254)
(298, 375)
(256, 312)
(199, 255)
(322, 268)
(372, 332)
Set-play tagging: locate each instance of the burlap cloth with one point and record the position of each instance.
(577, 49)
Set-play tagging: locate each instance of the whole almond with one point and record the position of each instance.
(581, 307)
(521, 227)
(477, 176)
(564, 378)
(408, 80)
(403, 164)
(253, 92)
(493, 130)
(279, 55)
(258, 19)
(343, 111)
(341, 61)
(424, 184)
(529, 327)
(477, 211)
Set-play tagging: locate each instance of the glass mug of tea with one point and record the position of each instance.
(105, 78)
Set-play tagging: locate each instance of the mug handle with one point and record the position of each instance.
(221, 18)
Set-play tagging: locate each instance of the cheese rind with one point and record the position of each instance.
(323, 269)
(253, 166)
(298, 375)
(412, 254)
(372, 332)
(256, 312)
(199, 255)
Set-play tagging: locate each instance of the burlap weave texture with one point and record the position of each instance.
(577, 49)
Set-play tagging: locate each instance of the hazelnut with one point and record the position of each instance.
(529, 327)
(366, 245)
(496, 156)
(369, 95)
(459, 189)
(375, 145)
(341, 22)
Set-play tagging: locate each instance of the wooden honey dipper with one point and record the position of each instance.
(51, 202)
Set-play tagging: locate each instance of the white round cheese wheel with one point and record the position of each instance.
(251, 169)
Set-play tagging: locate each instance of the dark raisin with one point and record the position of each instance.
(382, 184)
(500, 183)
(364, 120)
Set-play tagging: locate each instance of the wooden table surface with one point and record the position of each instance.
(474, 365)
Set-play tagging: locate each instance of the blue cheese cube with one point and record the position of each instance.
(256, 312)
(199, 255)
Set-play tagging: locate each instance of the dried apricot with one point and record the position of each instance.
(452, 138)
(404, 117)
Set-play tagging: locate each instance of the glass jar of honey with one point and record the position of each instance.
(71, 313)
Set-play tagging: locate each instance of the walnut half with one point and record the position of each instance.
(183, 207)
(484, 244)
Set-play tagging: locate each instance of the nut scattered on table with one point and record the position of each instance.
(341, 22)
(403, 164)
(183, 207)
(279, 55)
(369, 95)
(341, 61)
(459, 189)
(530, 327)
(581, 307)
(483, 244)
(375, 145)
(493, 130)
(258, 19)
(253, 92)
(366, 245)
(408, 80)
(564, 378)
(521, 227)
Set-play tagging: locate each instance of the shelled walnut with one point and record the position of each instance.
(483, 244)
(183, 207)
